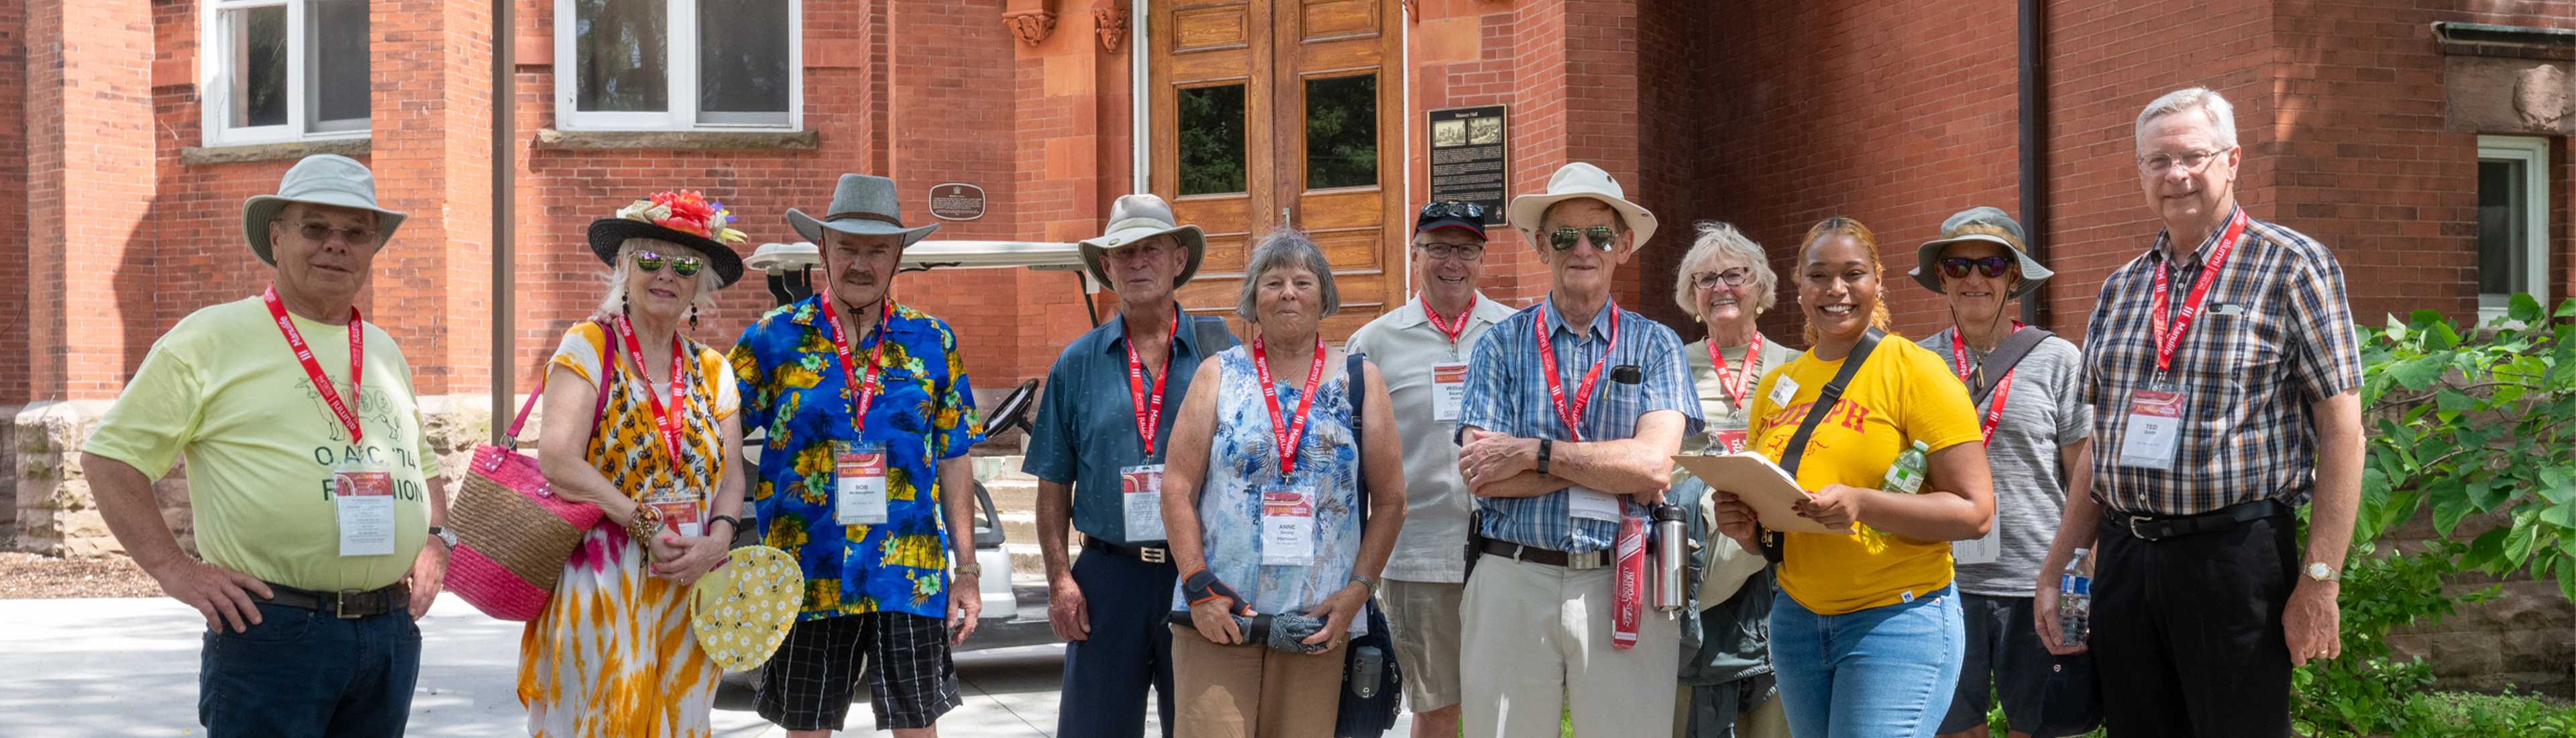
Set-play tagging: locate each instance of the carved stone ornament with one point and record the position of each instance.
(1031, 25)
(2541, 99)
(1109, 20)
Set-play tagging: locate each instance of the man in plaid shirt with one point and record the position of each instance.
(2222, 366)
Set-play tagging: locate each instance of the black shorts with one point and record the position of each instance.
(911, 678)
(2003, 645)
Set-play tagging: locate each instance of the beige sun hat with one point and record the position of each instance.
(1577, 180)
(1138, 217)
(320, 179)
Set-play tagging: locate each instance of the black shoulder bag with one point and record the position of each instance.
(1772, 548)
(1371, 681)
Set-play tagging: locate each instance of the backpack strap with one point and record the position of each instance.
(1211, 334)
(1359, 410)
(1772, 547)
(2006, 355)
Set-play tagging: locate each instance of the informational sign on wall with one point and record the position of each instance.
(957, 201)
(1467, 158)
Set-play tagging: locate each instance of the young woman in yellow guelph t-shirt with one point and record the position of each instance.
(1866, 635)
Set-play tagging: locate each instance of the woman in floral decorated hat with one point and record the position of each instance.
(612, 655)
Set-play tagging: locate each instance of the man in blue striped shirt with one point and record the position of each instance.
(1572, 413)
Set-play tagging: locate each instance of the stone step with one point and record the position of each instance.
(1013, 495)
(1000, 466)
(1019, 527)
(1028, 563)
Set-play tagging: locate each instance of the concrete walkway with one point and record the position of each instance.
(128, 667)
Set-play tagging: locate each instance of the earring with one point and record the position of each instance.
(693, 317)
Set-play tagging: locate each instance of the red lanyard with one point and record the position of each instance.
(1738, 382)
(2169, 337)
(1149, 408)
(866, 390)
(666, 420)
(1288, 434)
(1443, 325)
(2003, 387)
(1573, 415)
(313, 369)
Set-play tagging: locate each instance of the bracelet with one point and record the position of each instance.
(737, 522)
(641, 528)
(1544, 451)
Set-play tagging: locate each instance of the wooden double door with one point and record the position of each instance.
(1284, 112)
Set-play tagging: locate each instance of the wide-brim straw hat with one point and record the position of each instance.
(320, 179)
(742, 610)
(863, 204)
(680, 217)
(1981, 223)
(1138, 217)
(1580, 180)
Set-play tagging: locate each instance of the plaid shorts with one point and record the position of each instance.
(911, 678)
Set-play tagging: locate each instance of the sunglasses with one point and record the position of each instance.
(1452, 209)
(1603, 237)
(1957, 266)
(320, 232)
(652, 261)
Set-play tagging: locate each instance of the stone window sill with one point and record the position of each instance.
(194, 156)
(562, 140)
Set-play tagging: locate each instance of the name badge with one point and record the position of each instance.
(1142, 494)
(1783, 390)
(859, 483)
(1730, 441)
(681, 511)
(1592, 504)
(1287, 527)
(1448, 391)
(2154, 430)
(363, 500)
(1985, 549)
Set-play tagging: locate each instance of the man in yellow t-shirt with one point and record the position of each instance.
(315, 494)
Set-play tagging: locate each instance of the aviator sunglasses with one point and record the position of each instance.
(652, 261)
(1603, 238)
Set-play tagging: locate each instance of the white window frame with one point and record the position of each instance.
(2533, 154)
(682, 65)
(215, 70)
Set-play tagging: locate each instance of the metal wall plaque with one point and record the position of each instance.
(957, 201)
(1467, 157)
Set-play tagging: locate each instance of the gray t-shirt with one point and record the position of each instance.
(2042, 415)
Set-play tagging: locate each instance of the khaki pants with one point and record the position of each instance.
(1252, 691)
(1536, 638)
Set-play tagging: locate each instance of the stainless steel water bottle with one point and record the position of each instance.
(1672, 548)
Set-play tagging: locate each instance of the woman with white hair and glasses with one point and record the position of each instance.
(613, 654)
(1261, 505)
(1726, 685)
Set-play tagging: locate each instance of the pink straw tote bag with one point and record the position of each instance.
(513, 534)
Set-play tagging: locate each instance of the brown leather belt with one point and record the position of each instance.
(1147, 554)
(1550, 557)
(344, 604)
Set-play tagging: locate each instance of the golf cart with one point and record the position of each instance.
(1011, 616)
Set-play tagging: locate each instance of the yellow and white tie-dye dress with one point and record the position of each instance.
(612, 655)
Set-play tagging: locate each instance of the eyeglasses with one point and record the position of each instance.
(320, 232)
(1452, 209)
(2190, 161)
(1712, 280)
(1957, 266)
(652, 261)
(1603, 237)
(1459, 251)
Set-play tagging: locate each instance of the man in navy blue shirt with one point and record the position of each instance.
(1097, 451)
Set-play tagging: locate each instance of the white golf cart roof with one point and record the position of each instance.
(1041, 255)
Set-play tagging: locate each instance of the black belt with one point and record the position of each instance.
(347, 603)
(1147, 554)
(2161, 527)
(1550, 557)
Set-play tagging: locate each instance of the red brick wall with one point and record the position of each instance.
(89, 132)
(14, 364)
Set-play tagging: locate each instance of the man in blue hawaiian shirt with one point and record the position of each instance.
(866, 483)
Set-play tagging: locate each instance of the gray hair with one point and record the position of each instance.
(615, 301)
(2222, 116)
(1283, 248)
(1721, 243)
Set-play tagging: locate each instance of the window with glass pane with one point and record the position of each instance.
(256, 40)
(336, 61)
(621, 50)
(2503, 251)
(742, 61)
(1211, 140)
(1341, 132)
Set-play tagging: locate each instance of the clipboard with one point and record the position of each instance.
(1761, 484)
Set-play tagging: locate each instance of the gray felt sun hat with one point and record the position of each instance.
(863, 204)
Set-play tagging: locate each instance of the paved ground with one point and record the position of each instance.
(128, 667)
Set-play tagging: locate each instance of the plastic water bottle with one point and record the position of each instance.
(2075, 601)
(1906, 475)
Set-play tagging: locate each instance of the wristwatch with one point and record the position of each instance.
(1543, 453)
(2319, 571)
(1365, 581)
(970, 569)
(444, 535)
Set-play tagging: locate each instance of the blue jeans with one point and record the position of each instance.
(306, 673)
(1884, 671)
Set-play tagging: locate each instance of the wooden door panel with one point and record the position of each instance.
(1325, 19)
(1211, 28)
